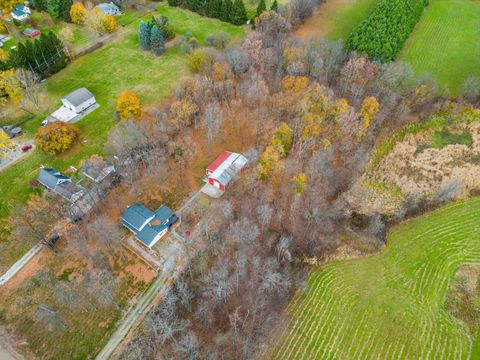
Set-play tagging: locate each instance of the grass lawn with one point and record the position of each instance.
(336, 19)
(445, 43)
(118, 66)
(390, 306)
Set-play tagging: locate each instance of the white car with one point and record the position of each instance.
(44, 122)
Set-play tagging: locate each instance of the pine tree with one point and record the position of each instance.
(64, 10)
(274, 6)
(157, 41)
(226, 10)
(53, 8)
(40, 5)
(261, 7)
(173, 2)
(238, 15)
(144, 35)
(214, 9)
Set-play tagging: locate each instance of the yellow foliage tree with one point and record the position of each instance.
(368, 110)
(56, 137)
(269, 163)
(7, 4)
(300, 182)
(315, 108)
(109, 23)
(129, 105)
(283, 139)
(3, 55)
(78, 13)
(10, 88)
(183, 112)
(295, 84)
(5, 143)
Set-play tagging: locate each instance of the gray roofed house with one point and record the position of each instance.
(109, 8)
(12, 130)
(78, 98)
(61, 184)
(75, 105)
(148, 226)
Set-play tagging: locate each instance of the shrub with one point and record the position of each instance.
(200, 61)
(128, 105)
(56, 137)
(219, 40)
(165, 27)
(384, 32)
(109, 23)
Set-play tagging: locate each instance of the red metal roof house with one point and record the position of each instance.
(224, 168)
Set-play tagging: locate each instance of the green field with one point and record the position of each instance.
(390, 306)
(445, 43)
(120, 65)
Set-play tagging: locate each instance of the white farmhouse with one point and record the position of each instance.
(75, 105)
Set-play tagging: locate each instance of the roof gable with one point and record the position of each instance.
(78, 97)
(136, 217)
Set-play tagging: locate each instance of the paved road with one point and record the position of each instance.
(20, 264)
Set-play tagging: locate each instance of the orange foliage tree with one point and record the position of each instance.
(128, 105)
(109, 23)
(56, 137)
(78, 13)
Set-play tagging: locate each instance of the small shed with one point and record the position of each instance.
(109, 8)
(221, 172)
(79, 100)
(97, 169)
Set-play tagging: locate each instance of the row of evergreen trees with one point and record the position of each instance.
(153, 34)
(58, 9)
(45, 56)
(224, 10)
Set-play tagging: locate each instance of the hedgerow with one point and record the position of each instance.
(382, 35)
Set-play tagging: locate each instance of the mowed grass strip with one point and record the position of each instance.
(445, 43)
(336, 19)
(390, 306)
(120, 65)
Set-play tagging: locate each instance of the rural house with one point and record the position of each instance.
(98, 169)
(148, 226)
(61, 184)
(224, 168)
(109, 8)
(75, 105)
(21, 12)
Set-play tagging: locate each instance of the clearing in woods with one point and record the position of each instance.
(390, 306)
(445, 42)
(335, 19)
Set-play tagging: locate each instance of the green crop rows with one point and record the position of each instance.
(389, 306)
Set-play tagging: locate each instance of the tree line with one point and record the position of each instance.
(382, 35)
(225, 10)
(45, 56)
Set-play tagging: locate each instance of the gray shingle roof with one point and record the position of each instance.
(78, 96)
(154, 223)
(136, 216)
(49, 177)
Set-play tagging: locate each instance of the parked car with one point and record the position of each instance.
(25, 148)
(30, 32)
(44, 122)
